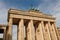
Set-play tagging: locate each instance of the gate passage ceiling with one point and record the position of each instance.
(1, 31)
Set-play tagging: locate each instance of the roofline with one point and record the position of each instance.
(9, 11)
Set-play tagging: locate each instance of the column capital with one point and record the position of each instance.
(42, 21)
(31, 20)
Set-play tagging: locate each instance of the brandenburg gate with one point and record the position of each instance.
(38, 26)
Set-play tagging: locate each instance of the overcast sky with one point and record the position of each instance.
(46, 6)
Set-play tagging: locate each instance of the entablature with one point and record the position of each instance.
(30, 13)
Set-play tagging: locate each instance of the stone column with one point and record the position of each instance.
(39, 32)
(4, 35)
(10, 29)
(30, 31)
(21, 30)
(56, 30)
(52, 31)
(46, 31)
(53, 26)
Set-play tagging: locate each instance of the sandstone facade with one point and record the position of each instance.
(38, 26)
